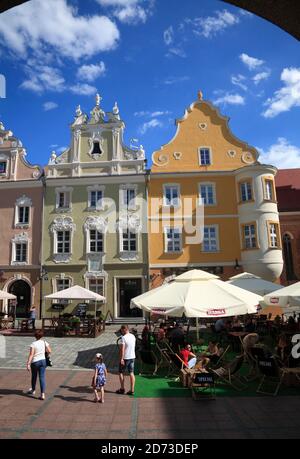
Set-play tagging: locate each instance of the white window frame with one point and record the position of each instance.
(20, 239)
(269, 191)
(100, 203)
(216, 228)
(167, 239)
(68, 202)
(97, 279)
(64, 231)
(97, 239)
(55, 280)
(4, 174)
(207, 184)
(246, 183)
(62, 224)
(250, 237)
(123, 193)
(172, 186)
(23, 201)
(203, 147)
(129, 231)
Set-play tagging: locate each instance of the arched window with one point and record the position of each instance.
(288, 257)
(96, 148)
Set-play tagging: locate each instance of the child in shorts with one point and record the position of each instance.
(99, 379)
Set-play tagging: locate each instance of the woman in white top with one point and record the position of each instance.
(37, 362)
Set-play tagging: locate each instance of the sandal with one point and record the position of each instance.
(120, 391)
(130, 392)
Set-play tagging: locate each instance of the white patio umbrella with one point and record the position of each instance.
(254, 284)
(288, 299)
(198, 294)
(76, 293)
(6, 296)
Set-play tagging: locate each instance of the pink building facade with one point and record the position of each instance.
(21, 205)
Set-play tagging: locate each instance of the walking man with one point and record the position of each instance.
(127, 358)
(32, 316)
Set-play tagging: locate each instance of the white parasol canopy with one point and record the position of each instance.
(198, 293)
(254, 284)
(7, 296)
(75, 293)
(288, 298)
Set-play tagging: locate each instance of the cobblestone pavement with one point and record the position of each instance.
(67, 353)
(69, 412)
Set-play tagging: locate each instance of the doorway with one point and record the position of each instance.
(128, 289)
(22, 291)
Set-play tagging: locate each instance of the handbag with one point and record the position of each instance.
(48, 358)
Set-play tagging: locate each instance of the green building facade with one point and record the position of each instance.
(95, 216)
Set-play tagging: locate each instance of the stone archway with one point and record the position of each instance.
(23, 292)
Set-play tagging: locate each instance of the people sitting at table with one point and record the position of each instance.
(263, 345)
(202, 364)
(213, 352)
(250, 341)
(161, 335)
(236, 325)
(176, 337)
(188, 356)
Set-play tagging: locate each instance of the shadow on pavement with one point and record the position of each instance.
(86, 359)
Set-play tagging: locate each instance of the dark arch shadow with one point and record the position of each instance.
(282, 13)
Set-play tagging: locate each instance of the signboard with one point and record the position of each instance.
(58, 307)
(274, 300)
(81, 310)
(216, 312)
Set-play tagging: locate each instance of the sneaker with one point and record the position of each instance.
(31, 392)
(120, 391)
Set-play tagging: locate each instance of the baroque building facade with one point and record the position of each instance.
(21, 203)
(93, 229)
(212, 204)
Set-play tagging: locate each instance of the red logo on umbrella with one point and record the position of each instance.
(216, 312)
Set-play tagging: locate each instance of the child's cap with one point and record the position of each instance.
(99, 356)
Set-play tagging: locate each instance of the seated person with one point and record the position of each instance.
(220, 325)
(213, 352)
(262, 345)
(202, 364)
(250, 341)
(236, 325)
(250, 326)
(283, 348)
(188, 356)
(145, 337)
(176, 337)
(161, 335)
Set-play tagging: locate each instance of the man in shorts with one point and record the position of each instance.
(127, 358)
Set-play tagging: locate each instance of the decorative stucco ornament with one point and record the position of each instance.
(52, 159)
(97, 113)
(231, 153)
(203, 126)
(162, 160)
(116, 111)
(2, 128)
(177, 155)
(80, 117)
(248, 158)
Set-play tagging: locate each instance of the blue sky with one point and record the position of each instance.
(152, 57)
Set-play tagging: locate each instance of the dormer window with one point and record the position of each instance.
(3, 167)
(63, 199)
(96, 148)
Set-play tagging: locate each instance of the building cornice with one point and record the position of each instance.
(200, 174)
(21, 184)
(101, 180)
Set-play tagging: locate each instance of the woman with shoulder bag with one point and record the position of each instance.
(37, 362)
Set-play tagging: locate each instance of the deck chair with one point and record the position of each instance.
(203, 386)
(147, 357)
(221, 358)
(174, 362)
(229, 374)
(272, 376)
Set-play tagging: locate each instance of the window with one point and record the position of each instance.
(173, 240)
(288, 258)
(207, 194)
(96, 285)
(21, 253)
(171, 195)
(23, 215)
(62, 284)
(63, 200)
(246, 191)
(210, 239)
(63, 241)
(204, 156)
(129, 195)
(269, 190)
(95, 199)
(96, 241)
(129, 241)
(96, 148)
(249, 236)
(274, 239)
(3, 166)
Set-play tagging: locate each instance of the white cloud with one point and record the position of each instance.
(129, 11)
(251, 62)
(238, 80)
(261, 76)
(282, 154)
(176, 51)
(50, 106)
(150, 125)
(212, 25)
(169, 36)
(43, 78)
(91, 72)
(38, 26)
(288, 96)
(152, 114)
(230, 99)
(174, 80)
(83, 89)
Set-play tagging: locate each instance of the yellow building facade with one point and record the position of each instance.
(212, 204)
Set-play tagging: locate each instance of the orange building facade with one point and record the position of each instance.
(211, 204)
